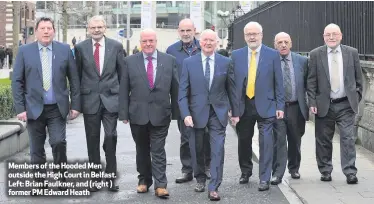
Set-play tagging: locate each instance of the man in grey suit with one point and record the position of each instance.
(334, 90)
(206, 93)
(148, 100)
(292, 126)
(40, 92)
(100, 62)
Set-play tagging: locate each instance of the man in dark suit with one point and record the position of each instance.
(292, 127)
(334, 91)
(186, 47)
(258, 76)
(40, 92)
(148, 100)
(206, 91)
(100, 62)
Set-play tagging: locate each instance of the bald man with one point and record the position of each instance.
(292, 127)
(148, 101)
(186, 47)
(334, 91)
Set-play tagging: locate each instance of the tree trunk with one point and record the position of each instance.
(65, 21)
(16, 26)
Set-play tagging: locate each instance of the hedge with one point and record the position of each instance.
(6, 101)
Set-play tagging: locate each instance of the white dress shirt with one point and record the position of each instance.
(211, 66)
(341, 92)
(101, 52)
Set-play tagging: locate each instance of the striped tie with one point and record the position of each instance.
(46, 70)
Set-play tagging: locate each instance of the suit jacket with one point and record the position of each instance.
(138, 102)
(96, 88)
(195, 98)
(300, 65)
(319, 86)
(27, 81)
(269, 90)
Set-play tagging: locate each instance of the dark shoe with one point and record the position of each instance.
(295, 175)
(185, 178)
(244, 178)
(200, 187)
(207, 173)
(276, 180)
(213, 196)
(112, 186)
(352, 179)
(263, 186)
(326, 177)
(161, 193)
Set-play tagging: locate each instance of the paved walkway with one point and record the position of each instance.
(309, 189)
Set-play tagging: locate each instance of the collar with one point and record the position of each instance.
(203, 57)
(101, 42)
(339, 49)
(287, 57)
(194, 43)
(40, 46)
(258, 49)
(154, 55)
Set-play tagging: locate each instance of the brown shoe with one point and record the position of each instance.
(161, 193)
(142, 189)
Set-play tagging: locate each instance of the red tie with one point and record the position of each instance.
(97, 57)
(150, 72)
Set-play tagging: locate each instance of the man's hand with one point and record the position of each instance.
(279, 114)
(234, 120)
(125, 121)
(73, 114)
(230, 114)
(313, 110)
(188, 121)
(22, 116)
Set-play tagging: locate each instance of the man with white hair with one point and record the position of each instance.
(206, 91)
(259, 80)
(335, 90)
(289, 130)
(100, 64)
(148, 101)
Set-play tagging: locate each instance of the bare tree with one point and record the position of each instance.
(16, 26)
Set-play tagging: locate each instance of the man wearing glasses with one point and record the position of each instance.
(259, 83)
(334, 89)
(100, 63)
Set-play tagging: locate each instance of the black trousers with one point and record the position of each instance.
(92, 125)
(150, 143)
(185, 152)
(291, 128)
(51, 119)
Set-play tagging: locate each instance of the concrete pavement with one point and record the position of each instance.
(231, 191)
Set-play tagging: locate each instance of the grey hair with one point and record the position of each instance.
(148, 30)
(333, 25)
(97, 18)
(253, 23)
(281, 33)
(207, 31)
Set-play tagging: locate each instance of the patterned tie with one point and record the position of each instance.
(46, 70)
(287, 80)
(207, 72)
(252, 76)
(335, 75)
(150, 71)
(97, 56)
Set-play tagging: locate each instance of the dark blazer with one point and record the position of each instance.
(319, 86)
(141, 104)
(300, 65)
(27, 81)
(195, 98)
(269, 90)
(93, 86)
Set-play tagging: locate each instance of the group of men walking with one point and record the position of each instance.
(201, 89)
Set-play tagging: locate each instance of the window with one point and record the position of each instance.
(40, 5)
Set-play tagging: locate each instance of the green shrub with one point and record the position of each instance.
(6, 102)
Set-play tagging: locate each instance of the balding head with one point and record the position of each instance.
(332, 35)
(148, 41)
(208, 42)
(186, 30)
(283, 43)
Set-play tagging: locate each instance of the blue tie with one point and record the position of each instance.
(207, 72)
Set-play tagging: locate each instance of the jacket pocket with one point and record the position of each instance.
(85, 91)
(114, 90)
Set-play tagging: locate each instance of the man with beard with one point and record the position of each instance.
(185, 48)
(100, 63)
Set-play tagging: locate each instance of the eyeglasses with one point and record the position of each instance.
(328, 35)
(252, 34)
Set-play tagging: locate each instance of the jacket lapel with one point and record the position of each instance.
(107, 54)
(345, 60)
(141, 68)
(216, 62)
(159, 69)
(296, 67)
(38, 60)
(90, 51)
(54, 60)
(262, 54)
(323, 55)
